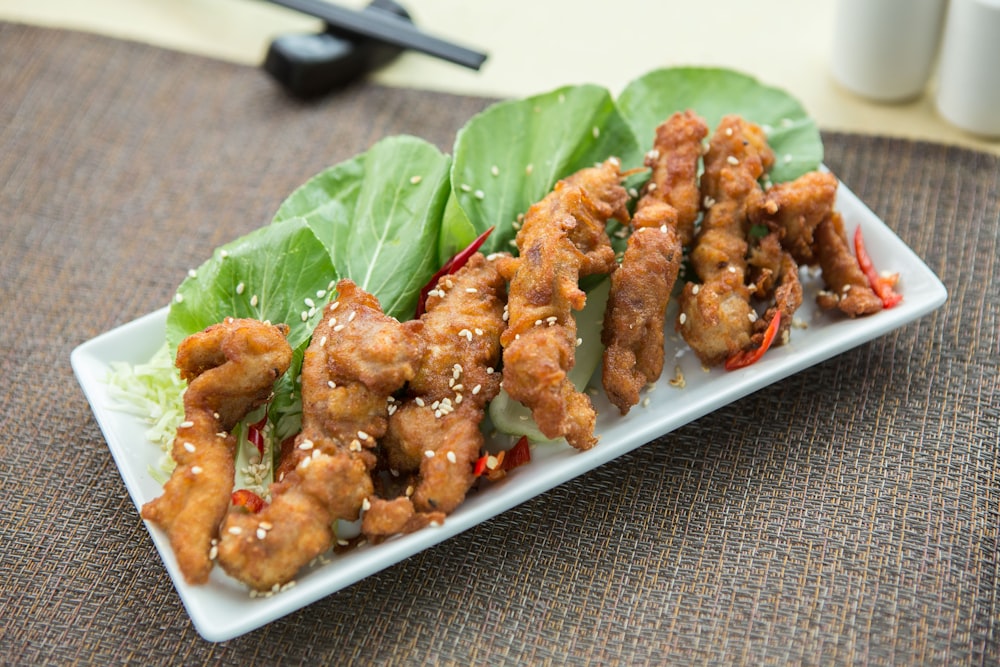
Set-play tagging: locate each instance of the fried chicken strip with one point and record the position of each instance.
(433, 437)
(230, 368)
(715, 317)
(847, 288)
(794, 209)
(357, 358)
(641, 286)
(562, 239)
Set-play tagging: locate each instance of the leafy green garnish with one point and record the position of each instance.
(713, 93)
(267, 274)
(511, 155)
(379, 215)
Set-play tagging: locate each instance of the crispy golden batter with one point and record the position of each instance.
(642, 284)
(794, 209)
(231, 368)
(847, 288)
(434, 432)
(674, 163)
(357, 358)
(562, 239)
(775, 276)
(715, 317)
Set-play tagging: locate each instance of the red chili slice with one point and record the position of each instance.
(517, 455)
(248, 499)
(881, 285)
(255, 434)
(456, 262)
(748, 357)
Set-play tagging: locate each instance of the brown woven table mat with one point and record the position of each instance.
(847, 514)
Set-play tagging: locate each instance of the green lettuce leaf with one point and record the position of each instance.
(280, 273)
(379, 216)
(512, 154)
(714, 93)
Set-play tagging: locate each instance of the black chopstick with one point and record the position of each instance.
(386, 27)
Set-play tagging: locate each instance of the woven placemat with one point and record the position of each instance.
(848, 514)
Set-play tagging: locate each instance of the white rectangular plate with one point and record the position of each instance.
(222, 609)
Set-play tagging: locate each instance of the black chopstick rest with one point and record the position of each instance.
(311, 65)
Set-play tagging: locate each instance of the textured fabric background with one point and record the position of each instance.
(848, 514)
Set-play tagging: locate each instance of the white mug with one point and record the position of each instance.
(968, 92)
(884, 50)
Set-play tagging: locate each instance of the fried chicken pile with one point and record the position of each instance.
(392, 411)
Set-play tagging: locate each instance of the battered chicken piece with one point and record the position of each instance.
(230, 368)
(642, 284)
(562, 239)
(847, 287)
(775, 276)
(357, 358)
(793, 209)
(434, 432)
(716, 318)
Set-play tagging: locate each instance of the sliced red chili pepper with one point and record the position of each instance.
(517, 455)
(480, 467)
(881, 285)
(255, 434)
(456, 262)
(248, 499)
(748, 357)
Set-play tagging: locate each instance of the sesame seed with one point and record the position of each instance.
(240, 287)
(350, 318)
(682, 318)
(530, 168)
(709, 202)
(362, 435)
(366, 504)
(304, 315)
(234, 530)
(429, 453)
(342, 542)
(579, 342)
(752, 316)
(479, 332)
(254, 300)
(479, 194)
(189, 447)
(338, 328)
(419, 401)
(224, 253)
(266, 525)
(495, 170)
(179, 298)
(331, 384)
(335, 305)
(471, 290)
(476, 389)
(213, 552)
(261, 533)
(305, 463)
(732, 160)
(409, 491)
(729, 131)
(185, 424)
(320, 293)
(465, 187)
(492, 462)
(192, 273)
(466, 334)
(322, 341)
(695, 289)
(651, 187)
(596, 131)
(415, 179)
(196, 470)
(451, 457)
(355, 446)
(490, 370)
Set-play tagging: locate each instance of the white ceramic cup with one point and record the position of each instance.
(884, 50)
(968, 92)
